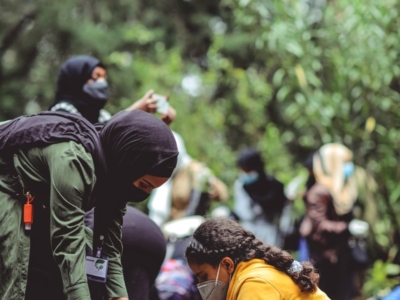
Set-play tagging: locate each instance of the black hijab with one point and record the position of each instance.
(136, 143)
(251, 159)
(73, 75)
(266, 191)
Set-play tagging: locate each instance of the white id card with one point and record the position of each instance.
(96, 268)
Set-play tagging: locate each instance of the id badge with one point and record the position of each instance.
(96, 268)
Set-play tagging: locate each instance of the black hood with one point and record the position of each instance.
(136, 143)
(73, 75)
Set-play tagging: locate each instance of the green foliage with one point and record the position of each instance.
(283, 76)
(378, 283)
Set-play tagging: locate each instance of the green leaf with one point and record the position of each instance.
(100, 261)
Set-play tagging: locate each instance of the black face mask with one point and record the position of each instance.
(97, 90)
(131, 193)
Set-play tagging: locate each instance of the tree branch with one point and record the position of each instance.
(14, 31)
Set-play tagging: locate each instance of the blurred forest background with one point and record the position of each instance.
(284, 76)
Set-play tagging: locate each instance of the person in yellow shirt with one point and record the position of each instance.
(230, 263)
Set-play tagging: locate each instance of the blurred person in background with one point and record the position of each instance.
(188, 192)
(362, 243)
(259, 198)
(82, 89)
(330, 198)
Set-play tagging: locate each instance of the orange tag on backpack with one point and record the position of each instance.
(28, 211)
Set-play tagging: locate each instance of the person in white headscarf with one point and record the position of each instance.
(330, 198)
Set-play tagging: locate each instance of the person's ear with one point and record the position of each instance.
(228, 264)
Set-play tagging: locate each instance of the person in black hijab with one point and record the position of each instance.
(259, 198)
(82, 89)
(154, 160)
(69, 168)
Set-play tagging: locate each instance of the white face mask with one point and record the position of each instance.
(213, 289)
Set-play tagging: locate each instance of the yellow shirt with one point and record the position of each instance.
(256, 280)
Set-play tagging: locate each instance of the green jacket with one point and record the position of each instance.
(61, 177)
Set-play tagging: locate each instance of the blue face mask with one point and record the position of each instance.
(248, 178)
(348, 170)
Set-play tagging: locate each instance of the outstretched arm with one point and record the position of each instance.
(147, 103)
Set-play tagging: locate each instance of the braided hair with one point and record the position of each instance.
(216, 239)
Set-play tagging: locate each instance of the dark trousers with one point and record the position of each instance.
(44, 277)
(337, 280)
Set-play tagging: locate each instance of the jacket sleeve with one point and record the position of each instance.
(258, 289)
(71, 175)
(108, 223)
(318, 203)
